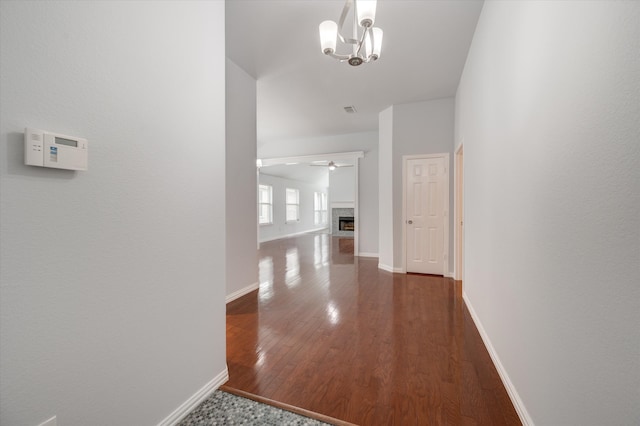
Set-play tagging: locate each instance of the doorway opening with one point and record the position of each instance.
(339, 198)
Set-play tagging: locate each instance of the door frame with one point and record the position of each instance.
(458, 208)
(445, 258)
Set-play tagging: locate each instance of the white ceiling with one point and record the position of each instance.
(317, 174)
(301, 92)
(301, 172)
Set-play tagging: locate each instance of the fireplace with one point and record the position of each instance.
(342, 223)
(345, 223)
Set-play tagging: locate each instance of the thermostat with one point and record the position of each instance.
(47, 149)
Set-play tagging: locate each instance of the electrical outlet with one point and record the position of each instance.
(51, 422)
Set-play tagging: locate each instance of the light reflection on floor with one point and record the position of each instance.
(333, 313)
(321, 252)
(305, 264)
(332, 333)
(265, 274)
(292, 274)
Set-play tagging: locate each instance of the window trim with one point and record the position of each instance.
(320, 211)
(287, 204)
(270, 204)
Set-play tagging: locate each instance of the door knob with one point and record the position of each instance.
(410, 222)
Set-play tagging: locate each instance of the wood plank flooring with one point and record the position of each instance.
(331, 333)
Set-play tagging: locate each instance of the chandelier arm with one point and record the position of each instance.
(354, 29)
(361, 41)
(345, 10)
(343, 16)
(341, 58)
(372, 57)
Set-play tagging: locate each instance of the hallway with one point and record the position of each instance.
(333, 334)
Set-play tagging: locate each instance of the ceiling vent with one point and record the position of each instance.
(350, 109)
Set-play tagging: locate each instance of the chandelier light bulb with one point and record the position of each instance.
(366, 12)
(373, 49)
(328, 36)
(377, 42)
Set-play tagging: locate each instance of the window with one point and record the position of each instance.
(293, 205)
(265, 204)
(320, 208)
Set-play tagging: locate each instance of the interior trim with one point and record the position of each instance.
(283, 406)
(332, 156)
(239, 293)
(518, 404)
(186, 407)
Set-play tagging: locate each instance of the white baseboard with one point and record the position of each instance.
(363, 254)
(385, 267)
(279, 237)
(51, 422)
(455, 277)
(191, 403)
(448, 274)
(239, 293)
(390, 269)
(525, 418)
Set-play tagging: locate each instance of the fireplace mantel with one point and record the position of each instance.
(343, 205)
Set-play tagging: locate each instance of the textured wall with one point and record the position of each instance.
(112, 280)
(548, 111)
(241, 180)
(385, 188)
(342, 185)
(420, 128)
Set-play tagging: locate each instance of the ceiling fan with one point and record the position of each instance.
(330, 164)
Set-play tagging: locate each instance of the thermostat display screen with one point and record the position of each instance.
(68, 142)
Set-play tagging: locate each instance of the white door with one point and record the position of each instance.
(425, 214)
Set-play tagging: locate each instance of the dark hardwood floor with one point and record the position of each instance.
(331, 333)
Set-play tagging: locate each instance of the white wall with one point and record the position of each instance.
(367, 179)
(418, 128)
(279, 228)
(241, 181)
(548, 110)
(112, 280)
(342, 185)
(368, 199)
(385, 185)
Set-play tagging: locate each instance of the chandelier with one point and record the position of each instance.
(363, 33)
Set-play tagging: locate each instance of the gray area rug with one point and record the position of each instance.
(222, 408)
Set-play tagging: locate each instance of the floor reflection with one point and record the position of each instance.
(331, 333)
(265, 274)
(342, 250)
(320, 250)
(333, 313)
(292, 274)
